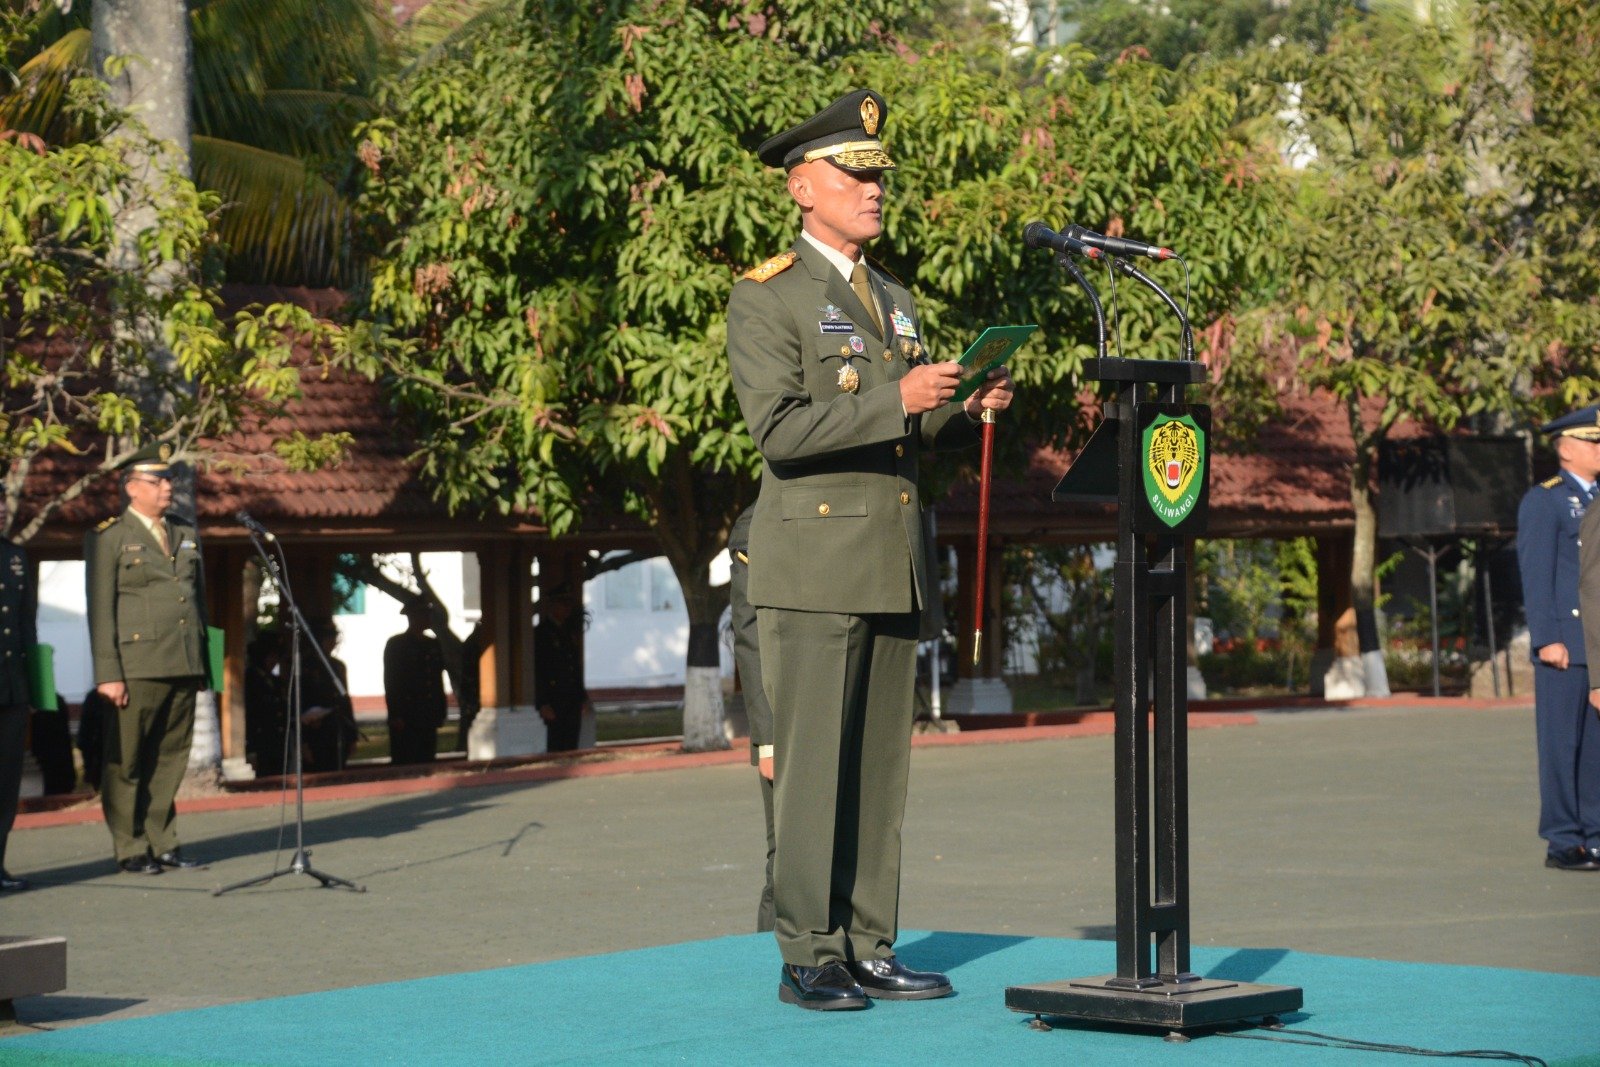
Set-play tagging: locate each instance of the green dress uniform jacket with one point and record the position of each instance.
(838, 574)
(147, 628)
(146, 611)
(838, 523)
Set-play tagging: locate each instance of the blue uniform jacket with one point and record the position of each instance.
(1547, 554)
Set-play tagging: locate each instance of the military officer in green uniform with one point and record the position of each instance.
(832, 376)
(147, 638)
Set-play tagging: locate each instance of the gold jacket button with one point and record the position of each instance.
(887, 355)
(899, 450)
(905, 498)
(180, 600)
(823, 509)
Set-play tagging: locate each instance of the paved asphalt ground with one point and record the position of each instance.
(1402, 834)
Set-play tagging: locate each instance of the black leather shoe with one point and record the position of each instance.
(892, 980)
(825, 988)
(139, 865)
(1576, 858)
(9, 884)
(175, 859)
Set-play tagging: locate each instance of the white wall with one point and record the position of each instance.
(638, 631)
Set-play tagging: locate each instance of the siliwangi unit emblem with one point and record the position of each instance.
(1174, 462)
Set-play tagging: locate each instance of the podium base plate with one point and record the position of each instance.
(1165, 1005)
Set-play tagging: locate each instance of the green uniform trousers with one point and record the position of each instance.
(841, 689)
(147, 752)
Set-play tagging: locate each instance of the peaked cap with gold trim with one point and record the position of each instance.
(845, 133)
(1584, 424)
(153, 459)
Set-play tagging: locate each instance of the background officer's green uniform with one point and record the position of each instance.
(146, 628)
(747, 658)
(838, 574)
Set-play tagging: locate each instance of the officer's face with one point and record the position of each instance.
(1580, 457)
(149, 494)
(840, 209)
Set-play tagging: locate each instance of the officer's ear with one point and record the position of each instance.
(801, 187)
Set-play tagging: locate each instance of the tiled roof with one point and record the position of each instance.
(1293, 479)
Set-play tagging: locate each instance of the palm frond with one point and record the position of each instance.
(280, 221)
(36, 104)
(300, 122)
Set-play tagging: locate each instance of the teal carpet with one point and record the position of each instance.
(716, 1001)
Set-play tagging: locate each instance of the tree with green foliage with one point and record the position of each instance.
(1424, 277)
(68, 284)
(564, 199)
(275, 88)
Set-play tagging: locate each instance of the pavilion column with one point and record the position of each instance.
(227, 609)
(506, 724)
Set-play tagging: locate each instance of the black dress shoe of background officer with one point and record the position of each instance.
(175, 859)
(9, 884)
(825, 988)
(1576, 858)
(892, 980)
(144, 864)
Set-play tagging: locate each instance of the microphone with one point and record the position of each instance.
(252, 525)
(1038, 235)
(1119, 246)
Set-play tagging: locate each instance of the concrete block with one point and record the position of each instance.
(1337, 677)
(30, 966)
(977, 696)
(498, 732)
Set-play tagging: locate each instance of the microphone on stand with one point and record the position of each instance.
(249, 523)
(1119, 246)
(1038, 235)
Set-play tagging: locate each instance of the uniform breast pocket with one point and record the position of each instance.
(135, 572)
(824, 502)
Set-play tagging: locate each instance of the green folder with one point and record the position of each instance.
(993, 346)
(215, 645)
(42, 677)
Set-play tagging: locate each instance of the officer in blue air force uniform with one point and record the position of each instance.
(827, 360)
(1548, 524)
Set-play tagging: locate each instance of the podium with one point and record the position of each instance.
(1150, 456)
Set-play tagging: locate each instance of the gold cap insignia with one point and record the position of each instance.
(869, 116)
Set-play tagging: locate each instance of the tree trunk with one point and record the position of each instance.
(692, 524)
(1364, 561)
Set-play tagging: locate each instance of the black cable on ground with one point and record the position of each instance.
(1311, 1037)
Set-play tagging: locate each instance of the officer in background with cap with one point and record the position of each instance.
(1548, 536)
(832, 377)
(147, 637)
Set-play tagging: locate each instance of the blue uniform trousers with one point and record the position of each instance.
(1569, 757)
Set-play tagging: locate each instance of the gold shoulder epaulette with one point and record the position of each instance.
(104, 526)
(885, 271)
(1550, 483)
(772, 267)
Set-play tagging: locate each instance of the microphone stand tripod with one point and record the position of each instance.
(300, 863)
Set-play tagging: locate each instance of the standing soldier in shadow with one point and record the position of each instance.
(413, 689)
(18, 611)
(147, 636)
(558, 689)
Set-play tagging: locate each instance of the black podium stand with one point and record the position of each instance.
(1150, 457)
